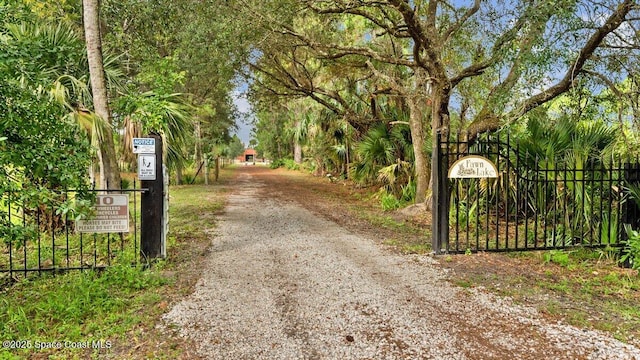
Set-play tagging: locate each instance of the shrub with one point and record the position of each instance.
(389, 201)
(631, 252)
(277, 163)
(291, 165)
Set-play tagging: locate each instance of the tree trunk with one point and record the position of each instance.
(206, 170)
(179, 175)
(417, 102)
(198, 145)
(101, 178)
(91, 17)
(297, 147)
(217, 171)
(421, 166)
(348, 160)
(297, 152)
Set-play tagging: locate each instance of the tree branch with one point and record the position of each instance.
(612, 23)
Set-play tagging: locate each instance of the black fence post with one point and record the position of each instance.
(440, 198)
(152, 208)
(630, 208)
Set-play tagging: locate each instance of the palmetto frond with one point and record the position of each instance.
(168, 115)
(391, 174)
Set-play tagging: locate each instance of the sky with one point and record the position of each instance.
(244, 130)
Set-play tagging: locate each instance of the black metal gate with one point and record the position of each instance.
(534, 203)
(42, 237)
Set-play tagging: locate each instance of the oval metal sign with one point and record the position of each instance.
(473, 167)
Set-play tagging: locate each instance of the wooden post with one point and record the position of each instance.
(152, 204)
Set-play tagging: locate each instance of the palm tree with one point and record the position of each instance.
(569, 158)
(109, 165)
(387, 146)
(169, 115)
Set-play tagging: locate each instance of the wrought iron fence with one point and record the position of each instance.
(44, 237)
(536, 203)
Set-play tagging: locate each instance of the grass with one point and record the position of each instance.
(579, 286)
(408, 247)
(88, 306)
(88, 314)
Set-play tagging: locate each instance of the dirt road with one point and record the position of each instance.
(283, 282)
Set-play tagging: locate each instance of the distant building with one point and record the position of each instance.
(249, 155)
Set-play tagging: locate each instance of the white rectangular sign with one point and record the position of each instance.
(146, 167)
(112, 215)
(144, 145)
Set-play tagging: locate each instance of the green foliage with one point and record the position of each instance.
(162, 75)
(235, 147)
(44, 149)
(631, 252)
(566, 142)
(392, 201)
(609, 229)
(43, 146)
(464, 214)
(385, 147)
(409, 191)
(125, 183)
(565, 152)
(276, 163)
(396, 177)
(558, 257)
(115, 304)
(389, 201)
(184, 59)
(151, 112)
(290, 164)
(16, 235)
(78, 306)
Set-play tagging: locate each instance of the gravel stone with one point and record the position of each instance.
(283, 283)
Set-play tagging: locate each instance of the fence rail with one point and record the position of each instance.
(535, 203)
(43, 237)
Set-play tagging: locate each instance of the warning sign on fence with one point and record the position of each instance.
(112, 215)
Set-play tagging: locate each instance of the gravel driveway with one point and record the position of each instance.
(282, 282)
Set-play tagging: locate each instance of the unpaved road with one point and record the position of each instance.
(282, 282)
